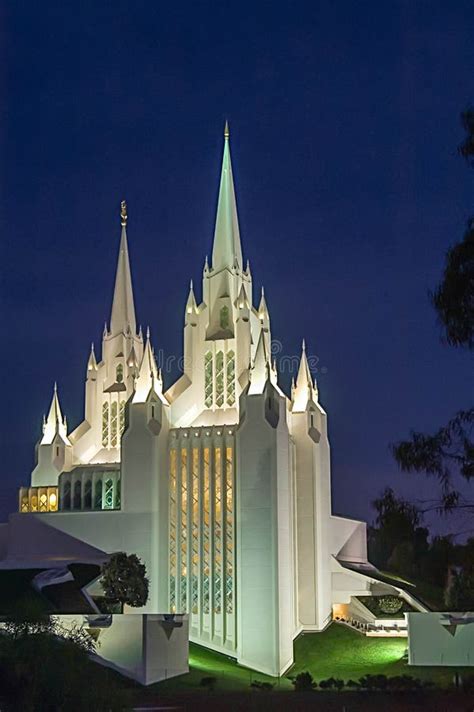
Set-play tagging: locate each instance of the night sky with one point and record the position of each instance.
(344, 122)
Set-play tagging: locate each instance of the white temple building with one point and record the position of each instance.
(221, 483)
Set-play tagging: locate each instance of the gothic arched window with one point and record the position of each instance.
(105, 424)
(88, 495)
(113, 424)
(208, 379)
(66, 499)
(109, 495)
(77, 495)
(224, 317)
(119, 373)
(98, 495)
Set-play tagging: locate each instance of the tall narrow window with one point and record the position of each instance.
(206, 533)
(77, 495)
(224, 317)
(119, 373)
(219, 379)
(230, 377)
(66, 498)
(43, 502)
(184, 528)
(118, 501)
(88, 495)
(113, 424)
(195, 531)
(105, 424)
(98, 495)
(122, 417)
(173, 531)
(109, 495)
(208, 379)
(217, 530)
(229, 531)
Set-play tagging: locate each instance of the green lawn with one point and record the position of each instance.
(338, 652)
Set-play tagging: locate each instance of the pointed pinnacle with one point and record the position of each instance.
(303, 346)
(191, 285)
(148, 332)
(55, 387)
(226, 131)
(263, 291)
(123, 213)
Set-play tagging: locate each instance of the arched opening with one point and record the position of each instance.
(66, 499)
(98, 495)
(88, 495)
(77, 494)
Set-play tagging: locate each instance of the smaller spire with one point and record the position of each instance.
(263, 309)
(148, 376)
(226, 131)
(92, 362)
(140, 333)
(303, 391)
(206, 266)
(260, 371)
(123, 213)
(54, 424)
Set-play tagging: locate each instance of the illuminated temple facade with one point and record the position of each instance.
(221, 482)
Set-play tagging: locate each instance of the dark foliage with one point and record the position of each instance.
(303, 682)
(124, 580)
(466, 148)
(208, 683)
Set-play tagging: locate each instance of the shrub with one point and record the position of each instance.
(331, 683)
(263, 686)
(303, 682)
(124, 580)
(390, 604)
(374, 682)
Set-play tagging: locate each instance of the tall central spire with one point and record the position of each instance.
(227, 250)
(123, 309)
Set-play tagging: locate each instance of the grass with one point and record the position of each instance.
(337, 652)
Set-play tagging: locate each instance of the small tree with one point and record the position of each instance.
(124, 580)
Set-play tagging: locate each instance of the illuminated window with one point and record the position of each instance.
(206, 533)
(195, 532)
(219, 379)
(184, 528)
(98, 495)
(24, 502)
(217, 530)
(119, 373)
(109, 494)
(77, 495)
(88, 495)
(53, 502)
(113, 424)
(43, 502)
(230, 377)
(224, 317)
(117, 495)
(208, 379)
(122, 417)
(34, 503)
(105, 424)
(172, 581)
(229, 530)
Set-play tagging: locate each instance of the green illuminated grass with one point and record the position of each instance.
(337, 652)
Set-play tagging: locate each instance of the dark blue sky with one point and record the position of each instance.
(344, 127)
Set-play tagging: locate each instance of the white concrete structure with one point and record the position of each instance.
(441, 639)
(221, 483)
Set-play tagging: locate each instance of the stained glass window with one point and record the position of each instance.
(219, 379)
(105, 424)
(113, 424)
(230, 377)
(217, 530)
(43, 502)
(229, 530)
(172, 531)
(109, 494)
(206, 533)
(122, 417)
(208, 379)
(98, 495)
(119, 373)
(184, 528)
(224, 317)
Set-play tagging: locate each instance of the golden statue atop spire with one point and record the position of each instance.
(226, 130)
(123, 213)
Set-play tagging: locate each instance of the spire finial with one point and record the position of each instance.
(92, 347)
(55, 387)
(191, 284)
(148, 332)
(123, 213)
(303, 345)
(226, 130)
(263, 291)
